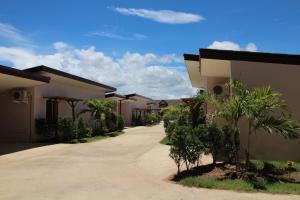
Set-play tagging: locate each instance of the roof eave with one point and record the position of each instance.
(71, 76)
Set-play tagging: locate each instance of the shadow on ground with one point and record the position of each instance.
(7, 148)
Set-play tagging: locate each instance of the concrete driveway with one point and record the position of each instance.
(131, 166)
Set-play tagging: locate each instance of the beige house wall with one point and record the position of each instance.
(63, 90)
(129, 107)
(16, 118)
(284, 79)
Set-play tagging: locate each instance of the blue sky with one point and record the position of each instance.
(123, 30)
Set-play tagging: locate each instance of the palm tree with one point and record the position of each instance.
(100, 110)
(231, 109)
(265, 110)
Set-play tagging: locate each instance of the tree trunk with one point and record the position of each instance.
(214, 159)
(248, 146)
(236, 146)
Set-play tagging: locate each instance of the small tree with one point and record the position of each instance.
(99, 110)
(231, 109)
(266, 110)
(212, 139)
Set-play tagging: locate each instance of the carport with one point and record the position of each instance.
(17, 104)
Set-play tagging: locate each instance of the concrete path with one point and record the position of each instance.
(131, 166)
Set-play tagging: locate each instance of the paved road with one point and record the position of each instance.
(131, 166)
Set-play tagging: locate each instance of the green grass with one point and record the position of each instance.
(241, 185)
(165, 141)
(280, 165)
(101, 137)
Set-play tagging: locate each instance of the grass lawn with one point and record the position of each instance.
(209, 177)
(241, 185)
(101, 137)
(165, 141)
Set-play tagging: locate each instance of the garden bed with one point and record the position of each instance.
(270, 177)
(96, 137)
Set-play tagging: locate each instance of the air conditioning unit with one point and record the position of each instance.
(20, 96)
(221, 90)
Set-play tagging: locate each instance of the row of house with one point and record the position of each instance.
(44, 92)
(211, 69)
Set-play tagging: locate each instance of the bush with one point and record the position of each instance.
(152, 118)
(185, 146)
(43, 128)
(111, 122)
(81, 128)
(231, 143)
(212, 138)
(67, 129)
(115, 122)
(120, 123)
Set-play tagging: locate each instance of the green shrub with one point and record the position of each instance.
(120, 123)
(151, 118)
(111, 122)
(67, 129)
(82, 129)
(231, 143)
(212, 139)
(43, 128)
(185, 146)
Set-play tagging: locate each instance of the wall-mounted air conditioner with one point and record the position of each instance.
(20, 96)
(221, 90)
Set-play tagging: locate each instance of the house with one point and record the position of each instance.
(135, 106)
(41, 92)
(212, 68)
(167, 102)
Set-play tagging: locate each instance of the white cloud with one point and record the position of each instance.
(169, 58)
(134, 36)
(228, 45)
(162, 16)
(224, 45)
(251, 47)
(60, 46)
(13, 35)
(146, 74)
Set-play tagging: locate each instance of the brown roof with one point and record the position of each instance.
(137, 95)
(23, 74)
(279, 58)
(62, 98)
(71, 76)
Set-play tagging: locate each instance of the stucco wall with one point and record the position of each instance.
(128, 108)
(284, 79)
(16, 118)
(59, 89)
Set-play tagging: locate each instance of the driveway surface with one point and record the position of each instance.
(131, 166)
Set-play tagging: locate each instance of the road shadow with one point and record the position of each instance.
(8, 148)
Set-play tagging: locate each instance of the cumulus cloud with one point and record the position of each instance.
(134, 36)
(147, 74)
(251, 47)
(228, 45)
(162, 16)
(13, 35)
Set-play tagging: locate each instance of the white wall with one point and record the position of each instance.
(128, 108)
(63, 90)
